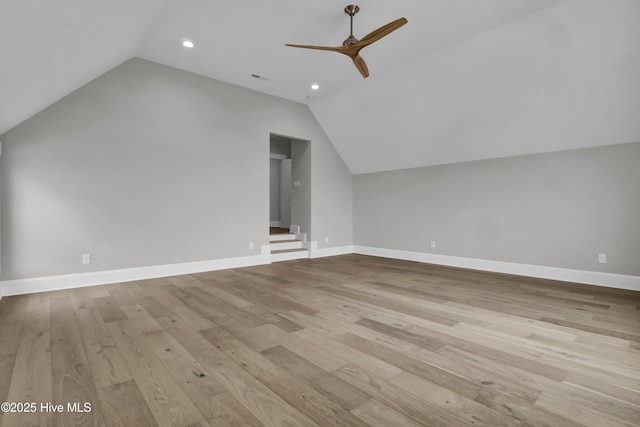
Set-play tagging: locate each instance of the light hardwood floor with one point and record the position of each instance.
(349, 340)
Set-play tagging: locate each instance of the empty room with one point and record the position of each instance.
(288, 213)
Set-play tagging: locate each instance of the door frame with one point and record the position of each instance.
(280, 157)
(286, 190)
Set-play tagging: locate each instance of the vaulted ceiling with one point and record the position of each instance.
(463, 80)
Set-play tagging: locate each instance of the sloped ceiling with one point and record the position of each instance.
(563, 78)
(48, 49)
(464, 80)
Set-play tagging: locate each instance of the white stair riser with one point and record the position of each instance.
(275, 237)
(286, 245)
(288, 256)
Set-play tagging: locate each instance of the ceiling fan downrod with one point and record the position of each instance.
(351, 10)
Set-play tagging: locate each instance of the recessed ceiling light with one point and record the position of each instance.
(315, 86)
(187, 43)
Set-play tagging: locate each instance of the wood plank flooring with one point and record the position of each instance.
(343, 341)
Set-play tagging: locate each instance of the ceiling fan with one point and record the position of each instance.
(352, 46)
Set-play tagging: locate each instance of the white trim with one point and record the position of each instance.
(314, 252)
(281, 236)
(278, 156)
(281, 245)
(68, 281)
(52, 283)
(275, 224)
(310, 245)
(286, 192)
(289, 256)
(609, 280)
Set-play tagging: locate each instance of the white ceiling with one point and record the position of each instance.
(236, 39)
(425, 102)
(48, 49)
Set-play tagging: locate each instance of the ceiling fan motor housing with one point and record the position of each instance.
(350, 40)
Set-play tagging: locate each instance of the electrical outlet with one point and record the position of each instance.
(602, 258)
(433, 244)
(86, 258)
(250, 245)
(326, 239)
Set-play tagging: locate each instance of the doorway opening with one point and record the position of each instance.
(290, 191)
(280, 184)
(289, 198)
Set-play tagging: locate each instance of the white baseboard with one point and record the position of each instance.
(69, 281)
(609, 280)
(314, 252)
(275, 223)
(52, 283)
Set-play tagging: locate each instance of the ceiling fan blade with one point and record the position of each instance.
(339, 49)
(380, 32)
(351, 46)
(361, 65)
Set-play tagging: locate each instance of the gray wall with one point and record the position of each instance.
(150, 165)
(557, 209)
(301, 196)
